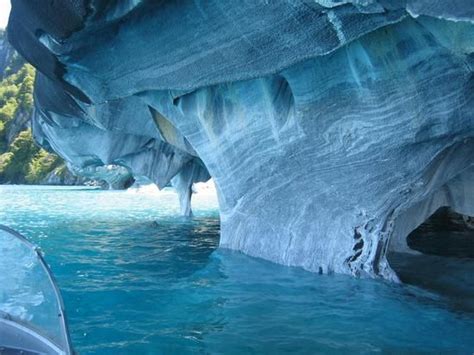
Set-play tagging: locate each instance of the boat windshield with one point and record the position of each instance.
(32, 316)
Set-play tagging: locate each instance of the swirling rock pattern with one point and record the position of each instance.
(332, 128)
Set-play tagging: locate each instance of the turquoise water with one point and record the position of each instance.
(138, 279)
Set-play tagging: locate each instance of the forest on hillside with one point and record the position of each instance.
(22, 161)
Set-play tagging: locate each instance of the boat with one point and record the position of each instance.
(32, 315)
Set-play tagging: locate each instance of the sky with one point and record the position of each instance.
(4, 12)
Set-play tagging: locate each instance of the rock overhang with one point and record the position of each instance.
(322, 123)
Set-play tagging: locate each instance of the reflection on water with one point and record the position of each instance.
(137, 278)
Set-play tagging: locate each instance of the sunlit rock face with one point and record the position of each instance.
(331, 128)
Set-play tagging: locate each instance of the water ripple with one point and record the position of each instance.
(138, 279)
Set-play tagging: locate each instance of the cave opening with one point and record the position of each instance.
(440, 257)
(445, 233)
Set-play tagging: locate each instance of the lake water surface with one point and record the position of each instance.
(138, 279)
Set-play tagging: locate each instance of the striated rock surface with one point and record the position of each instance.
(331, 128)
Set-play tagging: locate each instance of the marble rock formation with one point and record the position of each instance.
(332, 128)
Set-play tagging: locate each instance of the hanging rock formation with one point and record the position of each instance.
(331, 128)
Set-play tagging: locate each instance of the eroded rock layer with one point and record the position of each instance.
(331, 128)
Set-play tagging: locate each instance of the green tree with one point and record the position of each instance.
(14, 164)
(41, 165)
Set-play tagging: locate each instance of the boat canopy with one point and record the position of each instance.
(32, 317)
